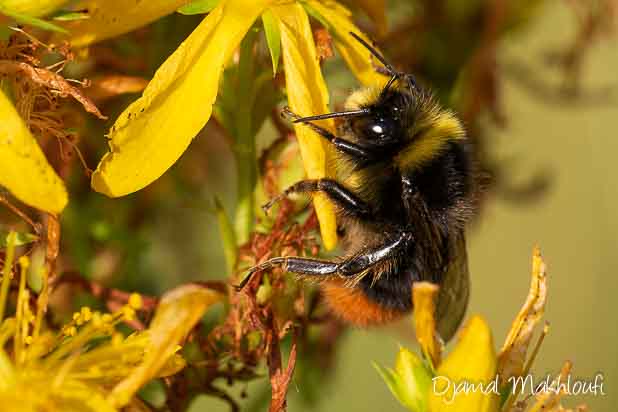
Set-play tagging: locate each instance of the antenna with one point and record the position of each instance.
(389, 68)
(347, 113)
(376, 54)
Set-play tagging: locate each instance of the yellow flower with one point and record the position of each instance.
(472, 378)
(472, 361)
(34, 8)
(65, 371)
(153, 132)
(109, 18)
(24, 170)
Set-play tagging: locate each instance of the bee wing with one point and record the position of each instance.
(454, 291)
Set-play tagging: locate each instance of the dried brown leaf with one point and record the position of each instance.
(50, 80)
(106, 87)
(513, 354)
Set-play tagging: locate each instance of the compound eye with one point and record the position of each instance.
(375, 128)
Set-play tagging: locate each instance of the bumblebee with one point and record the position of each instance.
(403, 194)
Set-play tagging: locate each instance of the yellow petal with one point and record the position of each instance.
(177, 313)
(36, 393)
(472, 361)
(424, 298)
(357, 57)
(152, 133)
(24, 170)
(307, 95)
(34, 8)
(513, 354)
(109, 18)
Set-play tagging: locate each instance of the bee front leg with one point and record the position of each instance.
(408, 193)
(360, 153)
(341, 196)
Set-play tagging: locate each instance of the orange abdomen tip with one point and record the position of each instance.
(353, 306)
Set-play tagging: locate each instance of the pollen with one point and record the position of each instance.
(86, 314)
(135, 301)
(24, 262)
(69, 331)
(128, 312)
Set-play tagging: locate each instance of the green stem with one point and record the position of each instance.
(228, 237)
(6, 273)
(245, 142)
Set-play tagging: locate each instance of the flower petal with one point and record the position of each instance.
(152, 133)
(109, 18)
(307, 95)
(177, 313)
(34, 8)
(358, 58)
(424, 298)
(24, 170)
(513, 354)
(472, 361)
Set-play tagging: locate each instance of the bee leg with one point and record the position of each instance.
(337, 193)
(409, 192)
(357, 151)
(349, 267)
(298, 265)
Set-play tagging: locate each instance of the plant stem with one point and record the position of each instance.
(245, 142)
(6, 273)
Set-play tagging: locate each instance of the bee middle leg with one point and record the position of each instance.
(353, 265)
(350, 203)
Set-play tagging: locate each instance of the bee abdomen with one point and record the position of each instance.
(352, 305)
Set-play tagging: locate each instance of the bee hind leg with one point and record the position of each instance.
(353, 265)
(298, 265)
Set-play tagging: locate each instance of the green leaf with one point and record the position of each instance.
(273, 38)
(32, 21)
(390, 378)
(198, 7)
(71, 16)
(409, 382)
(21, 238)
(415, 379)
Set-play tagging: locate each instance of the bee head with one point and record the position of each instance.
(385, 118)
(378, 115)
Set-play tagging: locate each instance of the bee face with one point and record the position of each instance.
(401, 208)
(376, 128)
(390, 115)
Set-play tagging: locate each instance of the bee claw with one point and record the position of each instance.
(268, 205)
(266, 208)
(243, 282)
(286, 113)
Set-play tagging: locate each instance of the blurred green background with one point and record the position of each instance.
(574, 222)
